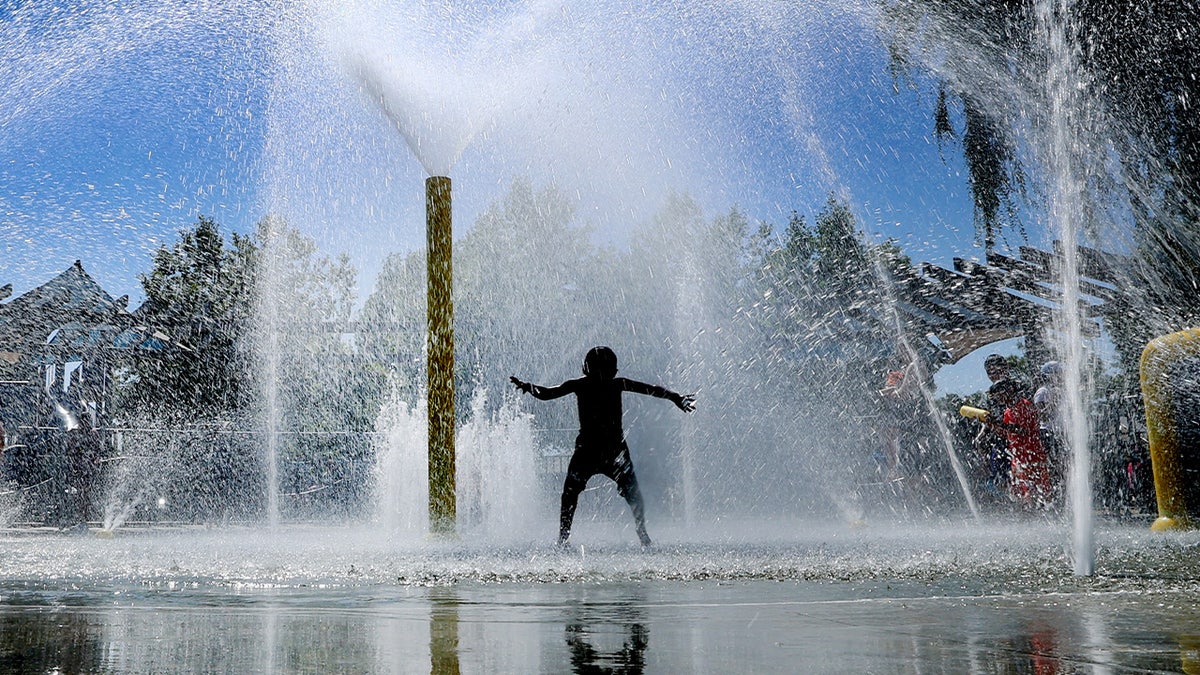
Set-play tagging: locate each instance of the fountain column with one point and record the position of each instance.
(440, 356)
(1068, 195)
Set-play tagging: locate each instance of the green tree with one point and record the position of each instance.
(323, 391)
(256, 330)
(1136, 79)
(393, 320)
(200, 291)
(200, 301)
(824, 313)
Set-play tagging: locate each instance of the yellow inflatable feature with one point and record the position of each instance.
(1159, 357)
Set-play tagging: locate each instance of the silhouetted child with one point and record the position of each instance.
(600, 447)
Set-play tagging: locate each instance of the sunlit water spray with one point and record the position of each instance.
(497, 486)
(401, 474)
(429, 109)
(441, 74)
(918, 371)
(496, 490)
(130, 484)
(1067, 207)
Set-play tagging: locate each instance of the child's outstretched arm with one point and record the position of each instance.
(542, 393)
(521, 385)
(685, 402)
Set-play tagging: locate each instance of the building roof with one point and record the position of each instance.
(70, 314)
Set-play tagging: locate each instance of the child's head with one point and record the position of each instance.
(1004, 392)
(600, 362)
(1052, 371)
(996, 367)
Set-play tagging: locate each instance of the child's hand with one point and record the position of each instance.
(523, 386)
(686, 402)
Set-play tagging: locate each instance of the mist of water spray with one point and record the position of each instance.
(495, 469)
(689, 335)
(1067, 208)
(919, 372)
(11, 504)
(442, 89)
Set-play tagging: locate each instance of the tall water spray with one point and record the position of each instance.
(497, 480)
(1067, 182)
(401, 487)
(495, 463)
(270, 299)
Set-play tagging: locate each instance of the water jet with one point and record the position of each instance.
(772, 107)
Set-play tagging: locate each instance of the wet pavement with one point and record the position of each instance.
(914, 600)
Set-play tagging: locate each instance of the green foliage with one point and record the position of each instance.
(820, 295)
(1137, 78)
(943, 129)
(200, 291)
(994, 172)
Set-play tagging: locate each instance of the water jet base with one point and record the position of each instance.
(797, 597)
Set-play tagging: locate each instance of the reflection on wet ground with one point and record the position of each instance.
(617, 611)
(626, 627)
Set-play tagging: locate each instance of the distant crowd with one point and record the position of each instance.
(1014, 458)
(1020, 437)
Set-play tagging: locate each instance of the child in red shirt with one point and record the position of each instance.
(1030, 466)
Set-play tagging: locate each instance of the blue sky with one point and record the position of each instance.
(120, 126)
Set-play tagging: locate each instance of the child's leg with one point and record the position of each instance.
(573, 485)
(627, 487)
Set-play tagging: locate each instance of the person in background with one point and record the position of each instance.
(1047, 399)
(891, 425)
(991, 446)
(600, 447)
(1029, 474)
(996, 368)
(901, 401)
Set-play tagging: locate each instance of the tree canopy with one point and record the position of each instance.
(201, 291)
(1129, 79)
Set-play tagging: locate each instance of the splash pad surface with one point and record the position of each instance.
(795, 598)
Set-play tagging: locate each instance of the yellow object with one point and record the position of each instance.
(1189, 654)
(440, 315)
(104, 534)
(974, 413)
(1158, 358)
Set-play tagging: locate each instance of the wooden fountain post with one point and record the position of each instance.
(440, 342)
